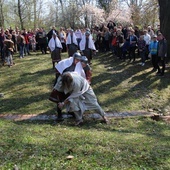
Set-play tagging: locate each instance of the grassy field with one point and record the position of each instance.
(132, 144)
(119, 86)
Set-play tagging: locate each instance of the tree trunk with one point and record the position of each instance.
(1, 14)
(35, 14)
(20, 14)
(165, 21)
(62, 11)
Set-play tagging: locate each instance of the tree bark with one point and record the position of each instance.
(35, 14)
(20, 14)
(62, 10)
(165, 21)
(1, 14)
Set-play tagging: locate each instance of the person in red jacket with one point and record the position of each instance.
(27, 43)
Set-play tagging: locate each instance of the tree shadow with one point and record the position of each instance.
(140, 80)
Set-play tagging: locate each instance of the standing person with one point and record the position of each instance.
(87, 46)
(2, 38)
(142, 48)
(50, 33)
(62, 37)
(27, 42)
(86, 68)
(78, 34)
(133, 45)
(151, 32)
(153, 50)
(14, 39)
(8, 50)
(33, 42)
(119, 42)
(81, 96)
(71, 43)
(106, 40)
(41, 38)
(147, 39)
(162, 54)
(21, 44)
(55, 49)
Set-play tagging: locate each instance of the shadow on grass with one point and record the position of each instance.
(139, 80)
(19, 104)
(141, 125)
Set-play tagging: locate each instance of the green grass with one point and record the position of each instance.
(132, 144)
(119, 86)
(138, 143)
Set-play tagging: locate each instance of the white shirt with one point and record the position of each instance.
(147, 38)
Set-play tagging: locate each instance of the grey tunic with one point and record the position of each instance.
(82, 97)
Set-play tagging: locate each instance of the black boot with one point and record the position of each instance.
(72, 114)
(60, 116)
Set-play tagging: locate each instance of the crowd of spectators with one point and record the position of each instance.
(125, 42)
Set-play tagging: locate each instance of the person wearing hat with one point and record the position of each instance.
(8, 49)
(55, 47)
(87, 68)
(153, 51)
(71, 42)
(71, 64)
(87, 46)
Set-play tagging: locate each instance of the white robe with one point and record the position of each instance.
(63, 64)
(52, 44)
(90, 43)
(82, 97)
(68, 39)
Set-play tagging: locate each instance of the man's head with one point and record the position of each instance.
(154, 37)
(9, 36)
(160, 36)
(84, 61)
(77, 57)
(118, 32)
(132, 31)
(87, 33)
(145, 32)
(67, 80)
(71, 31)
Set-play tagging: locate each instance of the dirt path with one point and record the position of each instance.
(32, 117)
